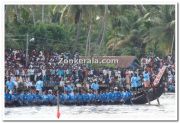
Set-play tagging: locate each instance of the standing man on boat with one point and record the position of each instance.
(146, 78)
(134, 82)
(128, 78)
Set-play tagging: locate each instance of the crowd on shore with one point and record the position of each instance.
(44, 72)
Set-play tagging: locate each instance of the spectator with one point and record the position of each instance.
(10, 86)
(39, 85)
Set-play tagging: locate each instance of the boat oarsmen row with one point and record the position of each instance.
(83, 98)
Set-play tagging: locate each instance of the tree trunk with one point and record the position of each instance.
(77, 32)
(42, 13)
(172, 45)
(88, 41)
(33, 15)
(62, 14)
(89, 51)
(141, 9)
(6, 14)
(17, 13)
(104, 27)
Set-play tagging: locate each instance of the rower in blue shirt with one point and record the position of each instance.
(85, 98)
(111, 96)
(8, 98)
(45, 98)
(79, 99)
(64, 98)
(14, 97)
(94, 98)
(119, 94)
(38, 98)
(90, 97)
(30, 98)
(104, 98)
(25, 98)
(100, 98)
(33, 97)
(20, 98)
(72, 98)
(124, 95)
(107, 97)
(115, 96)
(51, 98)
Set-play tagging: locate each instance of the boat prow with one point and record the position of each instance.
(152, 93)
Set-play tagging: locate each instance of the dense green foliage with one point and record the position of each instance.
(92, 29)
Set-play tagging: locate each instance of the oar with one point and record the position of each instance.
(58, 111)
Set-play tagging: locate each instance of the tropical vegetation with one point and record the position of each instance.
(92, 29)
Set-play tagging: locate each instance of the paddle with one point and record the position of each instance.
(58, 110)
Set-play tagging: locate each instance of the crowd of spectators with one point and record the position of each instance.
(44, 71)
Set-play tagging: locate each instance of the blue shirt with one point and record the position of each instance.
(104, 97)
(64, 97)
(39, 85)
(10, 85)
(71, 97)
(138, 81)
(45, 98)
(68, 88)
(134, 82)
(119, 95)
(80, 97)
(51, 98)
(8, 97)
(95, 86)
(94, 97)
(87, 97)
(115, 96)
(126, 95)
(38, 98)
(110, 96)
(146, 76)
(30, 97)
(14, 97)
(25, 97)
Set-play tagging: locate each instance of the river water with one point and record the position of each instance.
(166, 111)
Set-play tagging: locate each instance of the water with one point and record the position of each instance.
(166, 111)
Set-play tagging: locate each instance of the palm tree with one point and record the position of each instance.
(104, 22)
(164, 27)
(156, 26)
(42, 13)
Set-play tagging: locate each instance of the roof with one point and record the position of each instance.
(126, 61)
(123, 61)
